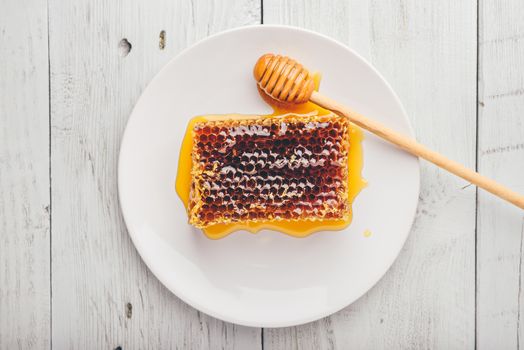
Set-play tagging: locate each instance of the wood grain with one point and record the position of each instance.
(102, 56)
(427, 51)
(24, 176)
(501, 155)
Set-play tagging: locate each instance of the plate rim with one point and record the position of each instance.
(187, 299)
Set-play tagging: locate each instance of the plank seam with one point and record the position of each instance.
(477, 169)
(261, 11)
(520, 285)
(50, 185)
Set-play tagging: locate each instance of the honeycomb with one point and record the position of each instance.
(290, 167)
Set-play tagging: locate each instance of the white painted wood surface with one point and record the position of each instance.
(69, 274)
(500, 323)
(95, 82)
(24, 176)
(427, 51)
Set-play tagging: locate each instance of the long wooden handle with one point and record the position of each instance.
(419, 150)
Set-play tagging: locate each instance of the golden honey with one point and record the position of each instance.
(296, 227)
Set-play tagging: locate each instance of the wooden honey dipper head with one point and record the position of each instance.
(283, 79)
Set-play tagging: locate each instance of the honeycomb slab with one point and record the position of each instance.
(292, 167)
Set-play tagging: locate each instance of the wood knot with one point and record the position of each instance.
(129, 310)
(124, 47)
(162, 40)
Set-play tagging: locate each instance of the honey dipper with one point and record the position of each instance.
(287, 81)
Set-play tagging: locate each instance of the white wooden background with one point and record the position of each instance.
(70, 73)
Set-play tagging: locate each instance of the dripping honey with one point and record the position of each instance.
(293, 228)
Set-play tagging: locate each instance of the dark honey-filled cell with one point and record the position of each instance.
(269, 169)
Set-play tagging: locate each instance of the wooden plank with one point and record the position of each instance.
(24, 176)
(501, 156)
(427, 51)
(102, 56)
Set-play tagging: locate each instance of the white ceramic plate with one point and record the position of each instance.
(267, 279)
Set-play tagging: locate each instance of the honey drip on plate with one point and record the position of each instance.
(293, 228)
